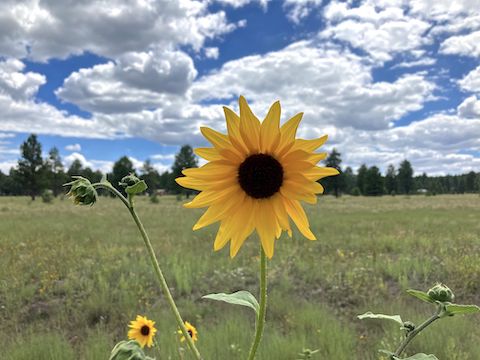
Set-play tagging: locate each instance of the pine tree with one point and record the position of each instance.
(151, 176)
(31, 169)
(334, 183)
(184, 159)
(56, 174)
(405, 177)
(390, 180)
(362, 172)
(373, 182)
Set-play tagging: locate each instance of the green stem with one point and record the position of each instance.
(260, 323)
(161, 279)
(416, 331)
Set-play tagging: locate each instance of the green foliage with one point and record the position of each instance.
(128, 350)
(121, 168)
(334, 184)
(405, 177)
(31, 169)
(184, 159)
(47, 196)
(373, 182)
(241, 297)
(370, 315)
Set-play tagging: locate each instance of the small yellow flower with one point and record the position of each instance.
(256, 178)
(142, 330)
(192, 331)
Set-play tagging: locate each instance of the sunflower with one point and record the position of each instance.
(142, 330)
(192, 331)
(256, 177)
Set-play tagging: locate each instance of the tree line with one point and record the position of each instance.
(35, 174)
(369, 181)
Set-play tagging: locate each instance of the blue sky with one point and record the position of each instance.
(385, 80)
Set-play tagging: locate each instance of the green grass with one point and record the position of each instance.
(71, 278)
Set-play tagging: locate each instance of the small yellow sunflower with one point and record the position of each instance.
(192, 331)
(142, 330)
(256, 177)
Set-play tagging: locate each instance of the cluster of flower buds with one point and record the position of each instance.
(132, 184)
(442, 293)
(82, 191)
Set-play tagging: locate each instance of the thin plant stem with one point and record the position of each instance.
(158, 272)
(260, 323)
(416, 331)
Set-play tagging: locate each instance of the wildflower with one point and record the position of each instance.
(81, 191)
(142, 330)
(192, 331)
(255, 179)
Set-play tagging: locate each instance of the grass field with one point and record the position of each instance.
(71, 278)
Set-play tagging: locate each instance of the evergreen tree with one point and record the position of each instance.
(471, 182)
(373, 182)
(405, 177)
(361, 174)
(334, 183)
(31, 169)
(75, 169)
(390, 180)
(55, 173)
(349, 180)
(151, 176)
(184, 159)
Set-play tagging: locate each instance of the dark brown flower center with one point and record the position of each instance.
(190, 332)
(260, 176)
(145, 330)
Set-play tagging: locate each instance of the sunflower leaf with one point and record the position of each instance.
(241, 297)
(453, 309)
(421, 295)
(137, 188)
(370, 315)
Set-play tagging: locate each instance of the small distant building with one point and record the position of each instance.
(422, 191)
(160, 192)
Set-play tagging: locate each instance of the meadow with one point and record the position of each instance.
(71, 278)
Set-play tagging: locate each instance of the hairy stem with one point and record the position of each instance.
(416, 331)
(260, 323)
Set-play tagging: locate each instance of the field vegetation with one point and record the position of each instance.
(71, 278)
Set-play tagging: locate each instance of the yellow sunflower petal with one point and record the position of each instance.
(293, 192)
(209, 154)
(249, 126)
(218, 211)
(318, 173)
(296, 212)
(212, 171)
(270, 129)
(245, 225)
(207, 197)
(221, 239)
(218, 140)
(288, 132)
(233, 128)
(266, 226)
(310, 145)
(280, 212)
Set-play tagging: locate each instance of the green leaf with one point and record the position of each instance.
(241, 297)
(139, 187)
(422, 356)
(421, 295)
(453, 309)
(370, 315)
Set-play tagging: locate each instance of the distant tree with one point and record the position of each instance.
(165, 181)
(122, 167)
(334, 183)
(390, 180)
(151, 176)
(361, 174)
(405, 177)
(349, 180)
(55, 174)
(75, 169)
(184, 159)
(373, 182)
(31, 169)
(471, 182)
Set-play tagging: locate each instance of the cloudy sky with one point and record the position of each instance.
(385, 79)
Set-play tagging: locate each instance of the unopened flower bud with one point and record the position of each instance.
(442, 293)
(129, 180)
(128, 350)
(81, 191)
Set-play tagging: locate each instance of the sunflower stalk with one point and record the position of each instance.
(128, 202)
(260, 323)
